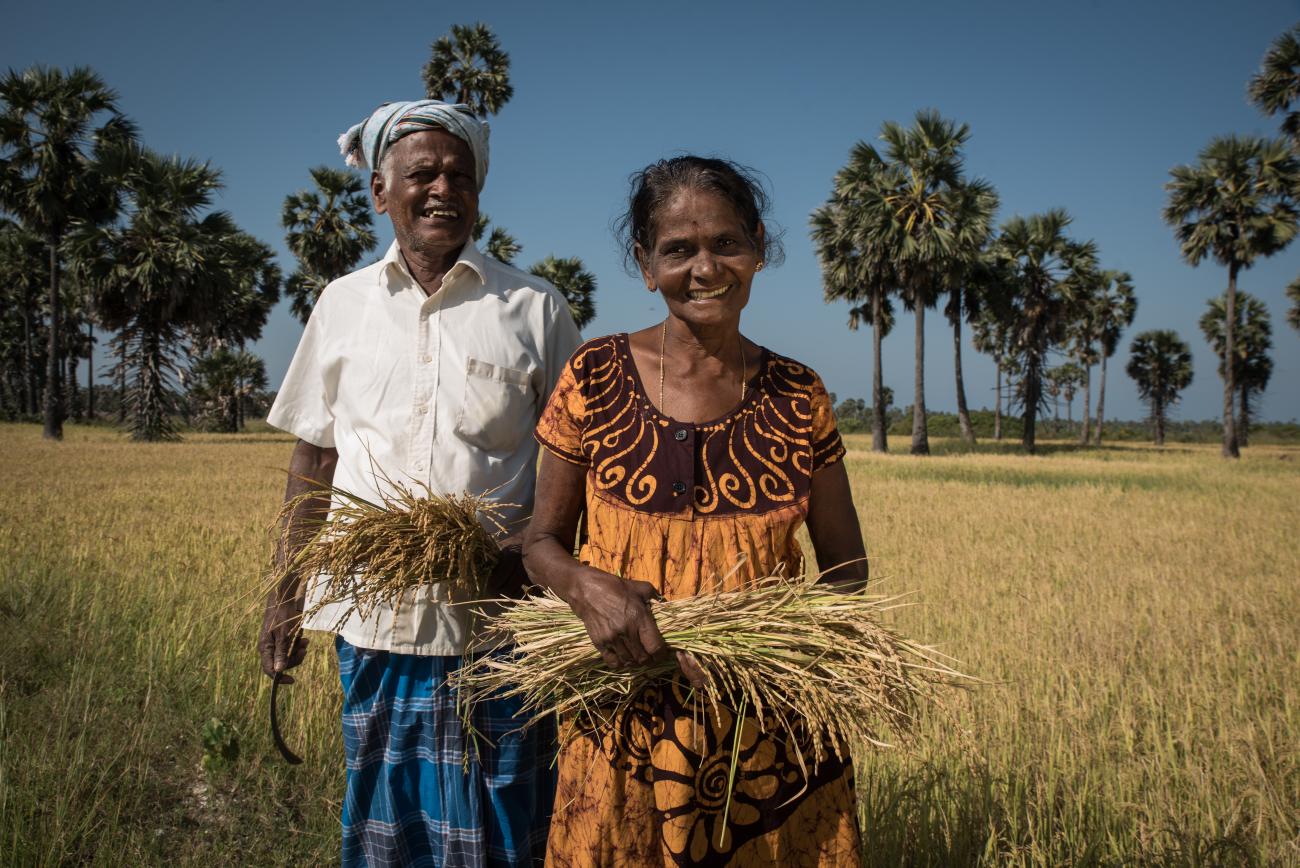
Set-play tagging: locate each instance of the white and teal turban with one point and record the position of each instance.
(365, 144)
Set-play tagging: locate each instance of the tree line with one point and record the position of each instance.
(905, 221)
(101, 237)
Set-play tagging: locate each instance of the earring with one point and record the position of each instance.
(653, 288)
(759, 267)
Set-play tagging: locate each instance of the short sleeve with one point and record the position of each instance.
(562, 423)
(827, 448)
(303, 405)
(561, 338)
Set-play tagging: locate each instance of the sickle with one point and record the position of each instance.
(289, 756)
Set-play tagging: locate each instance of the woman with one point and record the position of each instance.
(692, 455)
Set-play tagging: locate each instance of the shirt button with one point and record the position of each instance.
(679, 487)
(681, 434)
(419, 465)
(421, 409)
(426, 359)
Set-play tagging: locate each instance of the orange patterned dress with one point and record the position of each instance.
(678, 505)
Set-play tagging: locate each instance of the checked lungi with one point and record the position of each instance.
(409, 799)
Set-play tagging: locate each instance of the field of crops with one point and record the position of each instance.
(1135, 612)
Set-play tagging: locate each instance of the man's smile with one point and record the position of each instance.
(441, 212)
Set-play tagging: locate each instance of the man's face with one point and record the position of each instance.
(429, 193)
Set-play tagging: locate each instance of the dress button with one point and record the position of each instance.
(679, 487)
(681, 434)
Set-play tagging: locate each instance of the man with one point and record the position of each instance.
(430, 366)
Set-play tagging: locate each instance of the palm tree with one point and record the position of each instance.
(501, 245)
(1293, 293)
(1065, 380)
(1043, 269)
(991, 329)
(222, 384)
(1236, 204)
(1161, 365)
(1254, 332)
(23, 268)
(1276, 87)
(1052, 386)
(469, 67)
(575, 283)
(928, 219)
(856, 270)
(1084, 332)
(161, 271)
(249, 287)
(329, 230)
(53, 128)
(1116, 307)
(967, 282)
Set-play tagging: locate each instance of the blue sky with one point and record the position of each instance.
(1084, 106)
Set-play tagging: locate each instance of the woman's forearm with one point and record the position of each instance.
(551, 565)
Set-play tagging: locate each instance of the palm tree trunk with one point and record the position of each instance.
(74, 396)
(53, 429)
(997, 398)
(149, 411)
(1101, 398)
(1086, 433)
(963, 415)
(1033, 390)
(1243, 431)
(29, 363)
(90, 372)
(1158, 409)
(121, 378)
(920, 432)
(879, 436)
(234, 408)
(1229, 353)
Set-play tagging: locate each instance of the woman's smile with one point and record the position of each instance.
(706, 294)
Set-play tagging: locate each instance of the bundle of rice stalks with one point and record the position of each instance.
(816, 661)
(376, 553)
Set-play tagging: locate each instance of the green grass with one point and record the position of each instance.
(1136, 610)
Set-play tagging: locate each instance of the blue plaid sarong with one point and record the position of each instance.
(409, 800)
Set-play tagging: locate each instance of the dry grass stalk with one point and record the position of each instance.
(377, 553)
(813, 660)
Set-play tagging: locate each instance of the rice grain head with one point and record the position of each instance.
(815, 663)
(385, 552)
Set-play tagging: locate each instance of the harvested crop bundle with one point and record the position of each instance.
(375, 553)
(816, 661)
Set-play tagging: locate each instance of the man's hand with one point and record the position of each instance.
(281, 645)
(616, 613)
(508, 578)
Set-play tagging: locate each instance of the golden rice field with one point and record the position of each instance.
(1135, 612)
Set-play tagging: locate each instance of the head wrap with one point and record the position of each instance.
(365, 144)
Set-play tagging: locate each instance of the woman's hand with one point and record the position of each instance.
(616, 613)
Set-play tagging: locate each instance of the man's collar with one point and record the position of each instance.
(470, 259)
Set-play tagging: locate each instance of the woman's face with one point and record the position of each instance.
(701, 258)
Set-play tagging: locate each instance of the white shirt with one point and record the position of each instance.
(442, 389)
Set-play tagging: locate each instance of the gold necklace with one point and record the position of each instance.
(663, 343)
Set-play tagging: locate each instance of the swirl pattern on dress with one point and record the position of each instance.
(757, 458)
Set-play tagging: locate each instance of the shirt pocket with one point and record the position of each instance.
(496, 411)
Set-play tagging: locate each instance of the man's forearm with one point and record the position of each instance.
(311, 468)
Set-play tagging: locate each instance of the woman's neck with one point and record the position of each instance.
(693, 343)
